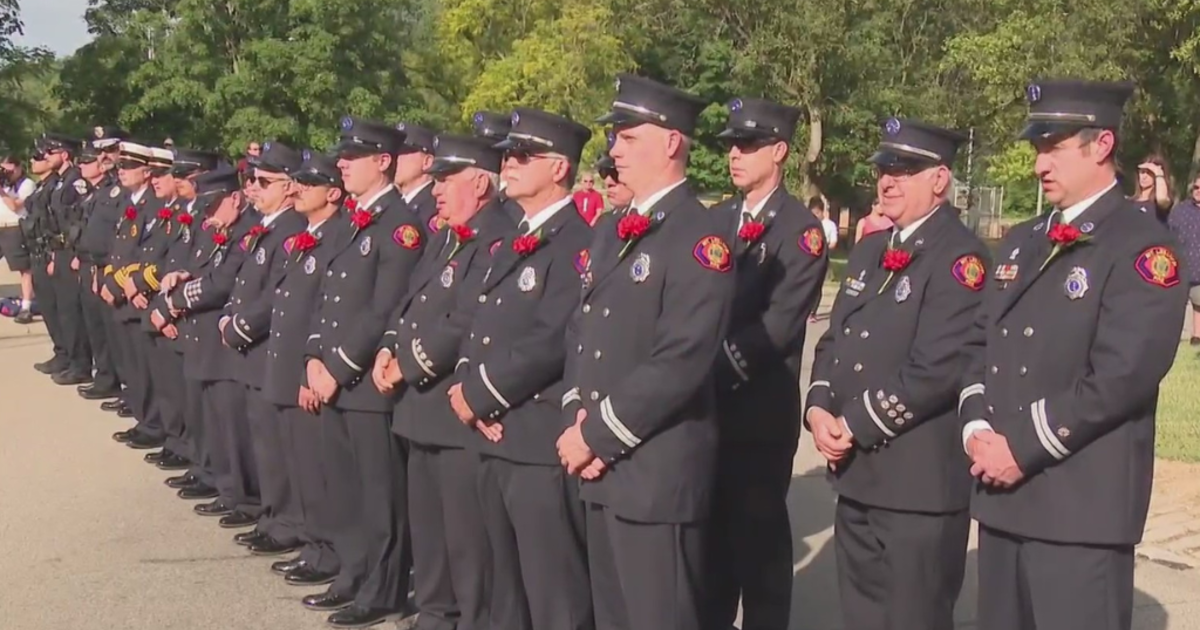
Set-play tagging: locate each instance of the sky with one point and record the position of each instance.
(55, 24)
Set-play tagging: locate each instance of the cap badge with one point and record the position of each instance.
(266, 147)
(401, 127)
(436, 141)
(617, 84)
(347, 123)
(99, 131)
(516, 119)
(735, 105)
(1034, 93)
(306, 155)
(892, 126)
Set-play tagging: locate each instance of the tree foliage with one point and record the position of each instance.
(218, 74)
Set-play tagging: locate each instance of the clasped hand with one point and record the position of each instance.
(992, 461)
(830, 435)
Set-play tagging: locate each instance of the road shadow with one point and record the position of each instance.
(815, 602)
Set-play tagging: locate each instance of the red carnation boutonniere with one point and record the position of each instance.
(165, 214)
(351, 205)
(130, 214)
(303, 243)
(894, 261)
(630, 228)
(185, 219)
(751, 231)
(462, 235)
(361, 219)
(527, 244)
(220, 238)
(1064, 236)
(255, 233)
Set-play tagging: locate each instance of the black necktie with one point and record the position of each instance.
(523, 227)
(1056, 217)
(747, 217)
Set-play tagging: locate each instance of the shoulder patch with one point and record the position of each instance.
(812, 242)
(1158, 266)
(969, 271)
(407, 236)
(712, 253)
(583, 260)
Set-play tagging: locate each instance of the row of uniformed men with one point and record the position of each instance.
(382, 319)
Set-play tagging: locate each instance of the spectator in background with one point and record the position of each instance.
(1184, 221)
(588, 200)
(1153, 194)
(873, 222)
(253, 151)
(831, 229)
(818, 208)
(15, 187)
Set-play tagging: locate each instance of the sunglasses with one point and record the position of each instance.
(525, 157)
(264, 182)
(748, 145)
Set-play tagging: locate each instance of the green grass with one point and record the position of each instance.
(1178, 435)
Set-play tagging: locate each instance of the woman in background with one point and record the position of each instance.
(1153, 194)
(873, 222)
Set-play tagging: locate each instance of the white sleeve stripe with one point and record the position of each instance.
(460, 362)
(974, 389)
(487, 382)
(875, 417)
(311, 337)
(1049, 441)
(343, 357)
(389, 332)
(815, 384)
(615, 425)
(571, 396)
(417, 355)
(238, 329)
(732, 361)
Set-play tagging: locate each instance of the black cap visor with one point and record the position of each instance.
(443, 166)
(127, 164)
(1040, 129)
(352, 148)
(312, 177)
(893, 160)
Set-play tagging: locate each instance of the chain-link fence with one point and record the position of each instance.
(985, 209)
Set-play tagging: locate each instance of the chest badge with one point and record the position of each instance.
(115, 192)
(260, 256)
(640, 269)
(133, 231)
(1077, 283)
(364, 247)
(310, 265)
(528, 280)
(448, 276)
(762, 253)
(218, 258)
(903, 289)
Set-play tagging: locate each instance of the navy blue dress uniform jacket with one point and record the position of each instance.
(122, 256)
(265, 259)
(1066, 364)
(101, 214)
(278, 320)
(363, 283)
(429, 325)
(68, 191)
(178, 257)
(779, 276)
(214, 269)
(639, 361)
(424, 206)
(512, 362)
(891, 360)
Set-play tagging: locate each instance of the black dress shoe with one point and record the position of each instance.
(182, 481)
(68, 377)
(112, 405)
(308, 576)
(124, 436)
(50, 367)
(174, 461)
(249, 538)
(144, 442)
(271, 547)
(156, 456)
(91, 393)
(198, 491)
(216, 508)
(284, 567)
(327, 601)
(126, 412)
(237, 520)
(360, 617)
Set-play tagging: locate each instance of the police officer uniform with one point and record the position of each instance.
(364, 281)
(511, 372)
(418, 139)
(654, 308)
(99, 216)
(450, 549)
(65, 200)
(781, 258)
(43, 238)
(495, 127)
(888, 364)
(137, 207)
(279, 519)
(278, 323)
(188, 447)
(1072, 344)
(217, 257)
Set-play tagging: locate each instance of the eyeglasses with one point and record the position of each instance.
(265, 182)
(525, 157)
